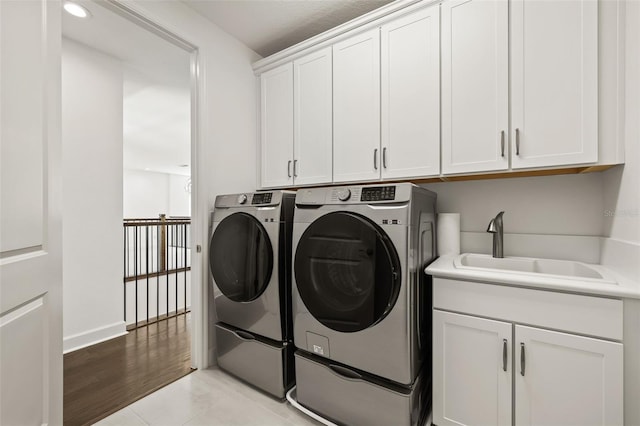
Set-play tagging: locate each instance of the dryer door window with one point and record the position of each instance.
(347, 271)
(241, 257)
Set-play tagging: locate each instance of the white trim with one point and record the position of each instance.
(92, 337)
(200, 357)
(360, 24)
(11, 316)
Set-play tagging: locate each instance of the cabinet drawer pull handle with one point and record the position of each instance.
(375, 159)
(504, 354)
(295, 168)
(522, 359)
(517, 141)
(502, 143)
(384, 157)
(289, 168)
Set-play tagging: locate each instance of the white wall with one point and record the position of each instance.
(179, 198)
(565, 205)
(148, 194)
(622, 184)
(92, 195)
(225, 158)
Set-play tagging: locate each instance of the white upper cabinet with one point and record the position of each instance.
(410, 73)
(356, 108)
(475, 85)
(554, 82)
(313, 126)
(276, 130)
(564, 379)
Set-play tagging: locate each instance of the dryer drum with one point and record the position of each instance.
(241, 257)
(347, 271)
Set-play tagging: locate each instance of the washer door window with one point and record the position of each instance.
(347, 271)
(241, 257)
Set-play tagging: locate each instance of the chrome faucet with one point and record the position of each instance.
(495, 227)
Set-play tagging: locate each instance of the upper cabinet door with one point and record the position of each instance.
(554, 65)
(276, 109)
(356, 108)
(313, 128)
(563, 379)
(475, 85)
(411, 95)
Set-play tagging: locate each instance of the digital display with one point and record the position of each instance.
(262, 198)
(378, 193)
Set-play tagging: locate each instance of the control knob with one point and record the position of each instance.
(242, 198)
(344, 194)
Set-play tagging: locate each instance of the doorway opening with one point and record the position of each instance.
(129, 100)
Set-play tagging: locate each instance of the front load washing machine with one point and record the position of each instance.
(250, 271)
(361, 303)
(359, 257)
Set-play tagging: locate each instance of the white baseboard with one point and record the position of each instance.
(91, 337)
(580, 248)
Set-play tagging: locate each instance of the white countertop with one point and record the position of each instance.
(444, 267)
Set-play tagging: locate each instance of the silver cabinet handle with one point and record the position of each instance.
(522, 359)
(504, 354)
(289, 168)
(384, 157)
(375, 159)
(295, 168)
(502, 143)
(517, 141)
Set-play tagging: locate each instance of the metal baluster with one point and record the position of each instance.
(135, 267)
(146, 235)
(184, 235)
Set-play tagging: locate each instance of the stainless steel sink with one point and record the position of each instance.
(560, 268)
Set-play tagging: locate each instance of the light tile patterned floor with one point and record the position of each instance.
(208, 397)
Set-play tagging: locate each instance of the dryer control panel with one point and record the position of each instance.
(378, 193)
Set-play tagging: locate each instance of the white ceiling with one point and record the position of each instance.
(268, 26)
(156, 72)
(156, 104)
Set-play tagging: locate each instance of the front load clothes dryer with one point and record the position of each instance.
(250, 271)
(359, 291)
(361, 302)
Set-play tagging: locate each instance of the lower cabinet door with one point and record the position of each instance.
(472, 366)
(564, 379)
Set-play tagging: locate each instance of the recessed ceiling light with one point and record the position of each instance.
(76, 10)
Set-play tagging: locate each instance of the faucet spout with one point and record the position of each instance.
(496, 228)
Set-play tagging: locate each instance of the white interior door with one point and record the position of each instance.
(475, 99)
(564, 379)
(30, 228)
(471, 370)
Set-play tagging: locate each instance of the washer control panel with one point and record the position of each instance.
(261, 198)
(378, 193)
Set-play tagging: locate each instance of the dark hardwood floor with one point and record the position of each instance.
(102, 379)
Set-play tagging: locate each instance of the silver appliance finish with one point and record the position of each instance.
(262, 363)
(333, 391)
(391, 347)
(261, 316)
(496, 228)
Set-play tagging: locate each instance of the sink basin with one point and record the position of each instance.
(562, 268)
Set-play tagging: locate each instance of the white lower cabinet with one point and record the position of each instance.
(557, 378)
(564, 379)
(471, 383)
